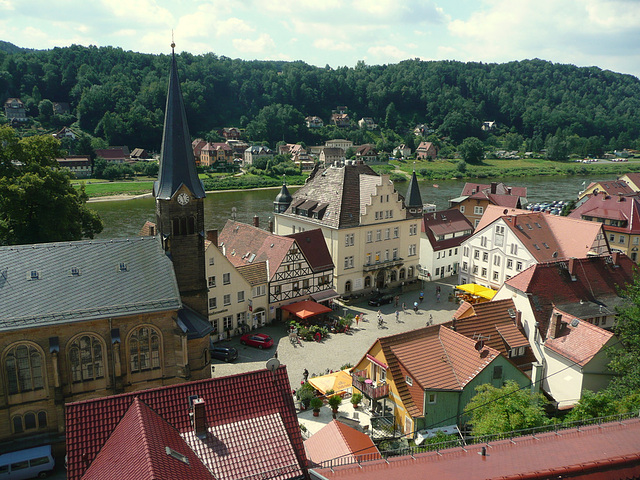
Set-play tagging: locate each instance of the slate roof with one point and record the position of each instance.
(443, 223)
(413, 199)
(577, 341)
(252, 427)
(597, 279)
(608, 451)
(240, 241)
(177, 164)
(340, 189)
(436, 358)
(137, 450)
(314, 248)
(79, 281)
(337, 440)
(494, 323)
(625, 208)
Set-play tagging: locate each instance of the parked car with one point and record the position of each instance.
(228, 354)
(380, 300)
(258, 340)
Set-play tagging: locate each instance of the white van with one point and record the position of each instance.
(29, 463)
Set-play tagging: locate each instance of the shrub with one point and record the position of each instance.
(316, 403)
(356, 398)
(335, 401)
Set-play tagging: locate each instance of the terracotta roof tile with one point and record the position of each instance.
(612, 208)
(443, 223)
(337, 440)
(501, 189)
(579, 343)
(255, 274)
(230, 401)
(606, 451)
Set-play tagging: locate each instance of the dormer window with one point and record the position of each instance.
(123, 267)
(35, 275)
(75, 272)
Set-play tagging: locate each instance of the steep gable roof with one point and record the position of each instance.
(50, 283)
(446, 223)
(413, 198)
(240, 242)
(314, 248)
(621, 208)
(337, 440)
(500, 189)
(237, 407)
(255, 274)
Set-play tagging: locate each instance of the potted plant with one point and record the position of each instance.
(334, 402)
(316, 404)
(356, 398)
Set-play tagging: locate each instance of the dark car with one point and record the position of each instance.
(228, 354)
(380, 300)
(259, 340)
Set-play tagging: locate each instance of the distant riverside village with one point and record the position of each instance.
(360, 333)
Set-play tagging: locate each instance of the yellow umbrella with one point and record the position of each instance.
(479, 290)
(337, 381)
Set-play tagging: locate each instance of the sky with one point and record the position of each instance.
(602, 33)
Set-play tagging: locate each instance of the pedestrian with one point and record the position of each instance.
(397, 316)
(415, 306)
(404, 308)
(438, 296)
(357, 320)
(421, 296)
(397, 299)
(430, 320)
(437, 288)
(305, 375)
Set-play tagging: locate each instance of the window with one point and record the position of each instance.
(367, 281)
(227, 299)
(478, 210)
(305, 283)
(386, 255)
(621, 239)
(475, 270)
(500, 229)
(485, 257)
(85, 359)
(349, 239)
(227, 322)
(409, 380)
(413, 229)
(497, 372)
(496, 276)
(438, 255)
(348, 262)
(213, 303)
(28, 421)
(23, 365)
(517, 352)
(387, 234)
(410, 272)
(390, 213)
(496, 260)
(461, 208)
(395, 254)
(144, 349)
(240, 318)
(464, 266)
(476, 254)
(636, 240)
(509, 263)
(465, 251)
(612, 237)
(378, 235)
(401, 274)
(369, 236)
(518, 266)
(259, 291)
(295, 286)
(484, 272)
(368, 259)
(437, 271)
(226, 278)
(432, 397)
(483, 241)
(396, 232)
(514, 249)
(324, 280)
(241, 296)
(347, 286)
(412, 249)
(212, 282)
(211, 261)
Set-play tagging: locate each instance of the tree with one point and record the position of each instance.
(37, 201)
(625, 356)
(498, 410)
(593, 405)
(472, 150)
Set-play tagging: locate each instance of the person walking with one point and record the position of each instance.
(438, 297)
(421, 296)
(305, 375)
(404, 308)
(415, 307)
(397, 316)
(430, 322)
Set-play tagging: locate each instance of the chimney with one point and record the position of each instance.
(494, 186)
(518, 319)
(212, 236)
(152, 230)
(572, 267)
(509, 190)
(556, 325)
(256, 221)
(270, 225)
(199, 417)
(615, 258)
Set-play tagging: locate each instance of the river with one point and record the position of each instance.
(125, 218)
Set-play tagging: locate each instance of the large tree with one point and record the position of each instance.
(505, 409)
(472, 150)
(37, 201)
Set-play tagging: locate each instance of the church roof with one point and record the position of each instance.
(51, 283)
(177, 164)
(413, 198)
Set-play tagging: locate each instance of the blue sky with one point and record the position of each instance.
(341, 32)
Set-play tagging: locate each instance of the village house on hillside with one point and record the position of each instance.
(371, 235)
(426, 150)
(255, 152)
(424, 378)
(567, 306)
(228, 428)
(14, 110)
(314, 122)
(79, 165)
(505, 244)
(476, 197)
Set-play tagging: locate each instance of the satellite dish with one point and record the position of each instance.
(273, 364)
(479, 345)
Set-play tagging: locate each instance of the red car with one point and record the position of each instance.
(259, 340)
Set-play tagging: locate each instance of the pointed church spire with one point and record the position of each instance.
(283, 199)
(177, 164)
(413, 199)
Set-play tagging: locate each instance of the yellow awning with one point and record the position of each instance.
(337, 381)
(478, 290)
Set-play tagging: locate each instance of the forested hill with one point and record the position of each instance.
(120, 95)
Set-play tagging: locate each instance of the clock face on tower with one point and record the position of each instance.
(183, 199)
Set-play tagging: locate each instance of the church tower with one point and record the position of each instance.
(179, 195)
(413, 200)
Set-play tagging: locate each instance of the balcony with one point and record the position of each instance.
(382, 264)
(368, 387)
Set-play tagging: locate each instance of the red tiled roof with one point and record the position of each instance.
(579, 343)
(240, 241)
(337, 440)
(612, 208)
(608, 451)
(501, 189)
(549, 284)
(255, 273)
(613, 187)
(314, 248)
(230, 401)
(446, 222)
(137, 449)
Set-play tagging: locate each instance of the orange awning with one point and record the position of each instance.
(306, 309)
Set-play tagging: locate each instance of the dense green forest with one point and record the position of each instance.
(119, 96)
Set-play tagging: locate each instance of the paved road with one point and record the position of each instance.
(339, 349)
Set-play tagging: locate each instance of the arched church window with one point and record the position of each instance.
(144, 349)
(23, 365)
(86, 358)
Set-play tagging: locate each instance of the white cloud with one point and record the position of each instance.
(145, 12)
(331, 44)
(388, 53)
(6, 5)
(261, 44)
